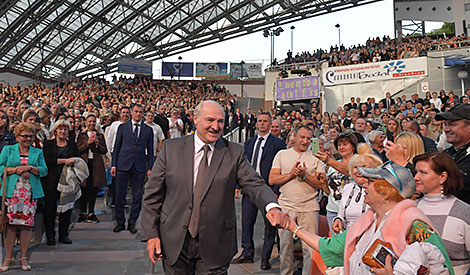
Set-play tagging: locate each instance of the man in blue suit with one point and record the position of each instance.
(260, 151)
(131, 162)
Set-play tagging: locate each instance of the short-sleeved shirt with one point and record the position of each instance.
(298, 195)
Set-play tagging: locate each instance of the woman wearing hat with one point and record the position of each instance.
(439, 178)
(58, 152)
(393, 220)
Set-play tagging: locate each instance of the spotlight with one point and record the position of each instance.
(265, 33)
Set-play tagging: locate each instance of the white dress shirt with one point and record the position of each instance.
(139, 128)
(261, 148)
(199, 153)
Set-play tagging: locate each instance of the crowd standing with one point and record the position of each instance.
(110, 132)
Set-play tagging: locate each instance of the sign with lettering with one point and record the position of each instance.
(297, 88)
(385, 70)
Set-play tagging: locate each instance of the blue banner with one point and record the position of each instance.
(211, 70)
(134, 66)
(176, 69)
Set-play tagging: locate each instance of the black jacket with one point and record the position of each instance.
(462, 159)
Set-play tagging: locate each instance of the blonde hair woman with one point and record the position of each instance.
(352, 204)
(406, 147)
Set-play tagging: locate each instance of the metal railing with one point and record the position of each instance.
(236, 135)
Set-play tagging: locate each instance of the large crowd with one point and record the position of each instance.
(375, 50)
(364, 162)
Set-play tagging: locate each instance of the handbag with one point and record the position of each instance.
(3, 211)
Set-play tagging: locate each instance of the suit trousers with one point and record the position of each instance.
(137, 182)
(50, 210)
(309, 222)
(249, 214)
(189, 261)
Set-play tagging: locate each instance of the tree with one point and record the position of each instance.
(447, 28)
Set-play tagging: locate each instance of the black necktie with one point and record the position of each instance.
(197, 194)
(254, 161)
(136, 130)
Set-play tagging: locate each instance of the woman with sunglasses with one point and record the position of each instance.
(6, 137)
(439, 178)
(24, 166)
(352, 204)
(392, 221)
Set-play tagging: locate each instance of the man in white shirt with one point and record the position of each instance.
(110, 136)
(299, 173)
(158, 136)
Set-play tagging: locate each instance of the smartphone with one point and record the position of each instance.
(315, 145)
(381, 252)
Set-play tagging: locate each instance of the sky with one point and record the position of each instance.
(356, 26)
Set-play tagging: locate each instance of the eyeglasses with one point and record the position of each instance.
(388, 166)
(26, 136)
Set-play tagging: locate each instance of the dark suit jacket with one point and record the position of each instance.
(384, 101)
(251, 124)
(128, 151)
(347, 123)
(235, 120)
(270, 149)
(168, 199)
(429, 144)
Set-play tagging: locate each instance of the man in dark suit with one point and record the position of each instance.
(351, 104)
(130, 162)
(188, 217)
(388, 100)
(162, 120)
(344, 119)
(238, 122)
(260, 152)
(429, 144)
(250, 123)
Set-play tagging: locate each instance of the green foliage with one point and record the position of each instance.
(447, 28)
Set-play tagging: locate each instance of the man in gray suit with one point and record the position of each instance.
(188, 217)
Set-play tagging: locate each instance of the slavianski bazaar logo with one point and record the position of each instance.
(369, 72)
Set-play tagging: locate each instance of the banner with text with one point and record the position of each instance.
(250, 70)
(134, 66)
(176, 69)
(297, 88)
(211, 70)
(385, 70)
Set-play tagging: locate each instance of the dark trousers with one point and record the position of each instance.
(189, 261)
(137, 182)
(89, 192)
(249, 132)
(50, 209)
(249, 213)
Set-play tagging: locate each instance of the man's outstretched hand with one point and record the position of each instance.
(154, 249)
(277, 218)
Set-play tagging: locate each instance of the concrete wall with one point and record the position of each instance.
(14, 79)
(250, 89)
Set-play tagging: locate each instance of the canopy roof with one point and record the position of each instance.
(60, 38)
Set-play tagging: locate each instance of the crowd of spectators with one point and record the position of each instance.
(376, 49)
(80, 119)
